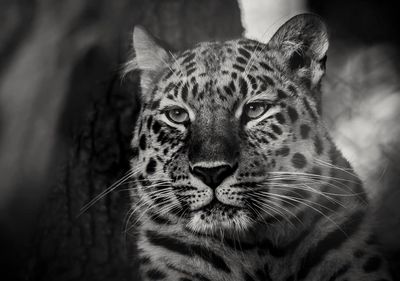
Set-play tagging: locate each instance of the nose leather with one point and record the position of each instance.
(213, 176)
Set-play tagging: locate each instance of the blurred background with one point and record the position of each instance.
(66, 117)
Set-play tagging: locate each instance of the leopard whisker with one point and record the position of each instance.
(313, 202)
(311, 207)
(319, 182)
(105, 192)
(306, 187)
(267, 196)
(264, 204)
(330, 165)
(150, 207)
(313, 176)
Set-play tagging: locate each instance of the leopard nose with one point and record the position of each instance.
(213, 176)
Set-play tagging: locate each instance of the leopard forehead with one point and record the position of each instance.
(223, 73)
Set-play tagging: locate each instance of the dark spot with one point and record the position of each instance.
(232, 86)
(304, 131)
(169, 87)
(281, 94)
(241, 60)
(318, 145)
(293, 115)
(283, 151)
(243, 87)
(184, 92)
(190, 71)
(253, 82)
(263, 88)
(149, 121)
(190, 66)
(155, 104)
(310, 110)
(142, 142)
(151, 166)
(266, 66)
(195, 89)
(228, 91)
(201, 95)
(244, 53)
(276, 129)
(189, 58)
(238, 67)
(233, 75)
(156, 127)
(372, 264)
(267, 80)
(299, 161)
(279, 117)
(169, 74)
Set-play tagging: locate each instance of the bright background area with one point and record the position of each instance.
(261, 18)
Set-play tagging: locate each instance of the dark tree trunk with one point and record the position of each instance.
(85, 148)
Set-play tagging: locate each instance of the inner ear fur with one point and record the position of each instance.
(303, 42)
(148, 56)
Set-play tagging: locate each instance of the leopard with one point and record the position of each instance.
(235, 176)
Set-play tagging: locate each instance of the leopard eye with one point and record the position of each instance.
(177, 115)
(255, 109)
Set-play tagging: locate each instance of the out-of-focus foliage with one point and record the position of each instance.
(361, 102)
(361, 106)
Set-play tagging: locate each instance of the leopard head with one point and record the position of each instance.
(228, 130)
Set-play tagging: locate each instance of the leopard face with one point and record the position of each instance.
(229, 132)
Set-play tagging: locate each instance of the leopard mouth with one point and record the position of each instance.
(217, 216)
(217, 211)
(215, 205)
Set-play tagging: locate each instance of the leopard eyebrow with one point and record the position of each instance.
(169, 101)
(267, 96)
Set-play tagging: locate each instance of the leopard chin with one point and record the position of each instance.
(217, 218)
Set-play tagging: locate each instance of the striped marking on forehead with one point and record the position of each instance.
(253, 74)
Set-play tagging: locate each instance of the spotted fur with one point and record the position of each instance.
(224, 195)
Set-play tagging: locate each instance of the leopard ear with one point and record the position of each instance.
(149, 57)
(302, 43)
